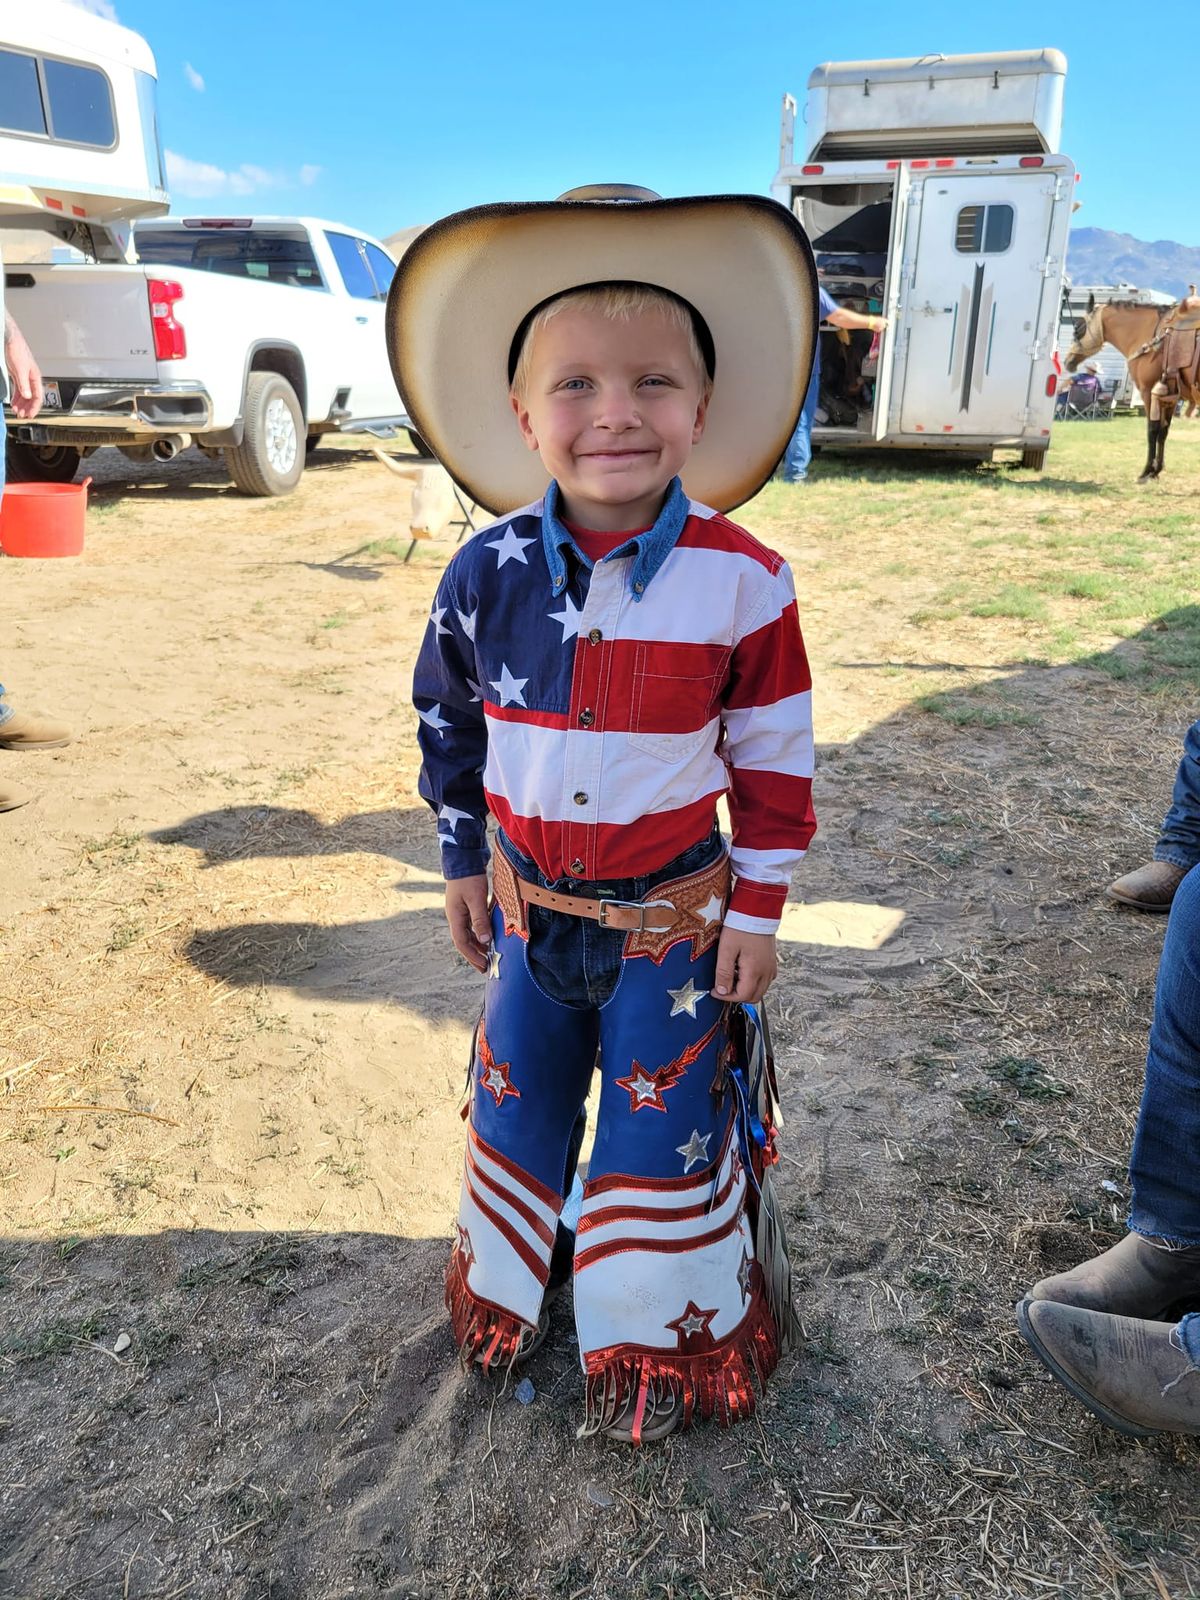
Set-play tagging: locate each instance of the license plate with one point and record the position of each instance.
(51, 399)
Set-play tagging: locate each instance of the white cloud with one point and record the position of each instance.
(98, 8)
(201, 180)
(193, 77)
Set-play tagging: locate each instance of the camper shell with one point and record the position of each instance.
(80, 153)
(933, 192)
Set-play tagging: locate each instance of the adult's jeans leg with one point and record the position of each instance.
(798, 454)
(1165, 1165)
(1179, 838)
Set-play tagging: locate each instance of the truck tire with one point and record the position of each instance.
(42, 463)
(270, 458)
(419, 445)
(1035, 460)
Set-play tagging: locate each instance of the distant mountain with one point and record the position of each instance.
(1096, 256)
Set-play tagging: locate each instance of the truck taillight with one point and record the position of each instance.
(170, 340)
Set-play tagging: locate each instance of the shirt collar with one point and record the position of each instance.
(649, 549)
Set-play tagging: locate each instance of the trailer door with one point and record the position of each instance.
(885, 384)
(975, 301)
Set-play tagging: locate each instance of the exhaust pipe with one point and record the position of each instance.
(169, 446)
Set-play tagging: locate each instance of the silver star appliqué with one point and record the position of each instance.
(710, 913)
(510, 548)
(494, 960)
(686, 999)
(695, 1151)
(509, 689)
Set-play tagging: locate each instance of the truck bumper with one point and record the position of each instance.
(118, 413)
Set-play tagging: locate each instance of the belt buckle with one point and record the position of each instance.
(631, 905)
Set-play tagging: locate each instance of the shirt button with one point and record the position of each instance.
(639, 588)
(577, 867)
(586, 718)
(595, 636)
(580, 798)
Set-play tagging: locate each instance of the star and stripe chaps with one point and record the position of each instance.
(670, 1292)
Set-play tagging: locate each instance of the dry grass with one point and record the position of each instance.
(1004, 666)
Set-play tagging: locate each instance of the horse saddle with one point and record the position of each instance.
(1181, 358)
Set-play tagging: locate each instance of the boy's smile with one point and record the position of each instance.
(613, 407)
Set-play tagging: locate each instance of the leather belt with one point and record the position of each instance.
(628, 916)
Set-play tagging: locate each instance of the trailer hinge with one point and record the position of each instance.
(1035, 349)
(1051, 267)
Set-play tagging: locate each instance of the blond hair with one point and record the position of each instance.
(615, 302)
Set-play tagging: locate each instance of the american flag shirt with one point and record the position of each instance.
(599, 711)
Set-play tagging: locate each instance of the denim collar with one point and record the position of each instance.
(650, 549)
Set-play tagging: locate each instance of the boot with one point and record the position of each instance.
(25, 732)
(1133, 1279)
(1148, 888)
(1135, 1376)
(11, 797)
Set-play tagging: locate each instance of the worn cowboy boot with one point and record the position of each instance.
(1135, 1376)
(1149, 888)
(25, 732)
(1134, 1279)
(11, 797)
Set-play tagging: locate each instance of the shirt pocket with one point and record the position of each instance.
(675, 698)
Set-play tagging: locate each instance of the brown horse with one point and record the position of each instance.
(1140, 333)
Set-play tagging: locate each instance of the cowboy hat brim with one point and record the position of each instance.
(465, 285)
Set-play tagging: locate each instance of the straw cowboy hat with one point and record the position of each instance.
(466, 286)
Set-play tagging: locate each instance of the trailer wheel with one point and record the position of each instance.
(42, 463)
(1035, 460)
(270, 458)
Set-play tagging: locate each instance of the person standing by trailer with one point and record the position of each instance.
(798, 455)
(600, 666)
(19, 730)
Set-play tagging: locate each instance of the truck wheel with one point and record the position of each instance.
(42, 463)
(270, 458)
(1035, 460)
(420, 446)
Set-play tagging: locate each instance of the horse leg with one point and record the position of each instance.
(1164, 429)
(1151, 443)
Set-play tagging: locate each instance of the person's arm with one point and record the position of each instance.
(768, 747)
(452, 734)
(26, 379)
(842, 318)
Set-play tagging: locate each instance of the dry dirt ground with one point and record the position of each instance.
(232, 1042)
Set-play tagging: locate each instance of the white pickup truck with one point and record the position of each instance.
(250, 336)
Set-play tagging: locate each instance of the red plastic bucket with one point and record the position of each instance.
(43, 519)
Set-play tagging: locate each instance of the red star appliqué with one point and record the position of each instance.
(646, 1088)
(693, 1324)
(466, 1250)
(493, 1074)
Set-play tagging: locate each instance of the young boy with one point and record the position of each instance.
(600, 667)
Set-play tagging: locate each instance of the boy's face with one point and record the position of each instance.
(613, 408)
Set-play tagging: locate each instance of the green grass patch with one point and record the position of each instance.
(967, 710)
(1014, 600)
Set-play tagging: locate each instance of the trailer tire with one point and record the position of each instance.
(42, 463)
(270, 458)
(1035, 460)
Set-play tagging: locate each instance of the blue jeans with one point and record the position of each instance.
(1165, 1165)
(1179, 837)
(575, 960)
(799, 451)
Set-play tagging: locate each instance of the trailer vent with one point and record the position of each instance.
(910, 142)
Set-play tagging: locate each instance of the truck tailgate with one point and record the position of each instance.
(84, 321)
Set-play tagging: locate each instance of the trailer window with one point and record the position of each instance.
(983, 230)
(21, 108)
(81, 110)
(62, 100)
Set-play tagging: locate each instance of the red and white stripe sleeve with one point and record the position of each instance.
(769, 751)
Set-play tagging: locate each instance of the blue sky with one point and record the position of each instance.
(386, 115)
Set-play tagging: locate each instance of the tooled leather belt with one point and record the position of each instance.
(629, 916)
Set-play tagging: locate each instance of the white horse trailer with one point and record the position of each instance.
(933, 192)
(80, 155)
